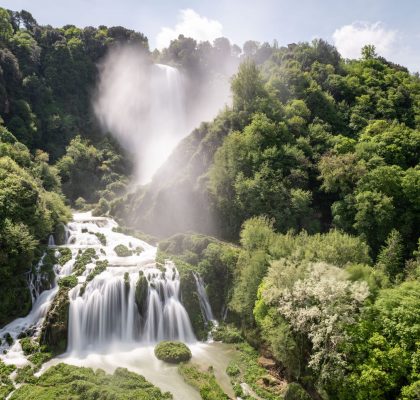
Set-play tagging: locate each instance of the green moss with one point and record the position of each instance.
(137, 234)
(227, 334)
(6, 384)
(65, 255)
(54, 329)
(68, 282)
(60, 235)
(82, 260)
(29, 346)
(100, 267)
(64, 382)
(142, 290)
(204, 381)
(191, 302)
(101, 237)
(172, 352)
(123, 251)
(39, 358)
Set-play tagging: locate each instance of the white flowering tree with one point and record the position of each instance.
(319, 303)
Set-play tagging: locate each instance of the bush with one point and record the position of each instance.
(233, 369)
(227, 334)
(122, 251)
(296, 392)
(172, 352)
(68, 282)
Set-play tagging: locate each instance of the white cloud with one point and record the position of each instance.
(190, 24)
(350, 39)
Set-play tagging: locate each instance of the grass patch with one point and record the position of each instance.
(245, 368)
(6, 384)
(204, 381)
(64, 382)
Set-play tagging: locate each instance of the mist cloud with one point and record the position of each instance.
(190, 24)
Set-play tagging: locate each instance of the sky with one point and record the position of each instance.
(392, 26)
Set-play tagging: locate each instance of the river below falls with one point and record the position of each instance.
(142, 360)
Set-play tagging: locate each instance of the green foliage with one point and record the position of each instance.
(123, 251)
(227, 334)
(204, 381)
(68, 282)
(391, 256)
(6, 384)
(295, 391)
(64, 381)
(101, 237)
(252, 374)
(65, 255)
(172, 352)
(28, 214)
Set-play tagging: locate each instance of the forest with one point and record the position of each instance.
(298, 205)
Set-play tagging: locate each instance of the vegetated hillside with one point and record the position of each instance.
(315, 169)
(311, 141)
(47, 77)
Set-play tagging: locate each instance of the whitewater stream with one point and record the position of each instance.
(106, 328)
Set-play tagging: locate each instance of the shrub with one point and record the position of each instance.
(227, 334)
(123, 251)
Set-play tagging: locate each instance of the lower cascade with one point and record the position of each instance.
(133, 300)
(107, 310)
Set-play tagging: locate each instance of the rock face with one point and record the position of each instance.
(267, 363)
(54, 330)
(173, 352)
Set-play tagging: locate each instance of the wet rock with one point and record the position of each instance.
(54, 329)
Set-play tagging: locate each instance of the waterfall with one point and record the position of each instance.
(143, 106)
(106, 311)
(203, 299)
(51, 241)
(103, 309)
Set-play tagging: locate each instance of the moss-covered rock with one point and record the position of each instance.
(172, 352)
(54, 329)
(191, 302)
(142, 290)
(123, 251)
(60, 234)
(65, 255)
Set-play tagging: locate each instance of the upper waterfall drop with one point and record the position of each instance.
(143, 105)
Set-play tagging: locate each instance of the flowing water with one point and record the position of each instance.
(143, 106)
(107, 328)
